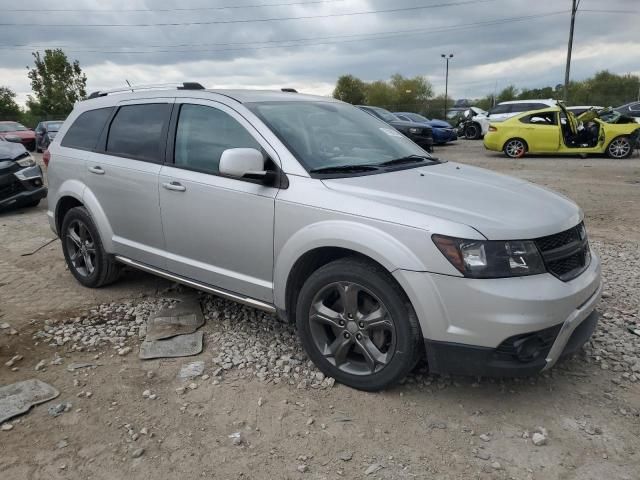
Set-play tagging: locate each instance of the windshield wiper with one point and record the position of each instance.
(344, 168)
(407, 159)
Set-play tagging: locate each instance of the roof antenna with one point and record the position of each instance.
(128, 84)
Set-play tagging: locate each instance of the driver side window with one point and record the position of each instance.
(203, 133)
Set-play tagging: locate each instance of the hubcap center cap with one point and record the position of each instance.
(352, 327)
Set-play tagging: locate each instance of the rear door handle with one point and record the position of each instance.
(97, 170)
(175, 186)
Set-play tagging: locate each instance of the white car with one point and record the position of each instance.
(505, 110)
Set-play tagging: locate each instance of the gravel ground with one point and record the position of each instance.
(257, 408)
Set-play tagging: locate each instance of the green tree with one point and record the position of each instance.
(9, 109)
(350, 89)
(411, 94)
(56, 83)
(436, 106)
(508, 93)
(380, 93)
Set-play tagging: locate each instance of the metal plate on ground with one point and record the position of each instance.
(19, 397)
(179, 346)
(184, 318)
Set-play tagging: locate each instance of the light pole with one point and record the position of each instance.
(574, 9)
(446, 82)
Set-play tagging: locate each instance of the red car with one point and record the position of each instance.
(15, 129)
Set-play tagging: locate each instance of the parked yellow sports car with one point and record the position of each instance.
(556, 131)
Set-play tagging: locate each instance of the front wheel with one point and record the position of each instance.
(357, 325)
(515, 148)
(472, 131)
(83, 251)
(620, 147)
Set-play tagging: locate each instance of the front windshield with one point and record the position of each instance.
(12, 127)
(386, 115)
(54, 126)
(328, 134)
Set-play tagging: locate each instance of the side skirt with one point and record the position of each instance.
(252, 302)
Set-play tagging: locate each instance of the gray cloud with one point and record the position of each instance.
(528, 53)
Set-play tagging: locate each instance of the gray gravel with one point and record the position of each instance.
(613, 347)
(249, 343)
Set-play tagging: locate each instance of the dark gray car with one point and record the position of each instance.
(45, 132)
(21, 183)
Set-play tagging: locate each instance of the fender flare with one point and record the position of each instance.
(367, 240)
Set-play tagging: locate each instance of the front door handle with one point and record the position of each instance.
(97, 170)
(175, 186)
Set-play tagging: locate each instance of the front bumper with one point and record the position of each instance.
(22, 186)
(467, 322)
(445, 135)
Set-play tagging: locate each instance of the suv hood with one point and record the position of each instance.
(498, 206)
(439, 124)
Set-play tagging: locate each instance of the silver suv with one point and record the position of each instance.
(313, 209)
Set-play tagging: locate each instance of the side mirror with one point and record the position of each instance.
(243, 163)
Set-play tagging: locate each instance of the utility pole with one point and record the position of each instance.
(574, 10)
(446, 82)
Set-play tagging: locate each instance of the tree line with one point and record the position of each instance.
(417, 95)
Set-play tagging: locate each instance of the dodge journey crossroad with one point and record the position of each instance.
(314, 210)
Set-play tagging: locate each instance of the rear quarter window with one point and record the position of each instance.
(86, 129)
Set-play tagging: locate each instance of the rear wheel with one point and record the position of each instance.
(515, 148)
(357, 325)
(83, 250)
(620, 147)
(472, 131)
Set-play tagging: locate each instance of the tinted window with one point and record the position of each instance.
(86, 129)
(635, 107)
(137, 131)
(202, 135)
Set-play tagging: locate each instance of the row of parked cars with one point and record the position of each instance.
(37, 139)
(548, 126)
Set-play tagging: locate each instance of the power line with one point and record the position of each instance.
(312, 40)
(252, 20)
(149, 10)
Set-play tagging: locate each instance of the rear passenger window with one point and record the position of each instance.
(204, 133)
(86, 130)
(137, 131)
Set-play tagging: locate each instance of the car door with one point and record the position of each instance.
(122, 175)
(499, 113)
(218, 229)
(542, 131)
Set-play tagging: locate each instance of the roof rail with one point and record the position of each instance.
(161, 86)
(289, 90)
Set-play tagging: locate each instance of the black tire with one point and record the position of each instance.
(515, 148)
(374, 284)
(472, 131)
(105, 269)
(620, 148)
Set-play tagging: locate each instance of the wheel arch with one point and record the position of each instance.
(75, 194)
(317, 245)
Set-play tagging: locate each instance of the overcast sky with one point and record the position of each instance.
(494, 42)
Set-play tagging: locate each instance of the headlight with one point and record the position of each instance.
(26, 161)
(491, 258)
(415, 131)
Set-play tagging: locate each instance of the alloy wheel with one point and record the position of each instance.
(515, 148)
(81, 248)
(352, 328)
(471, 132)
(619, 148)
